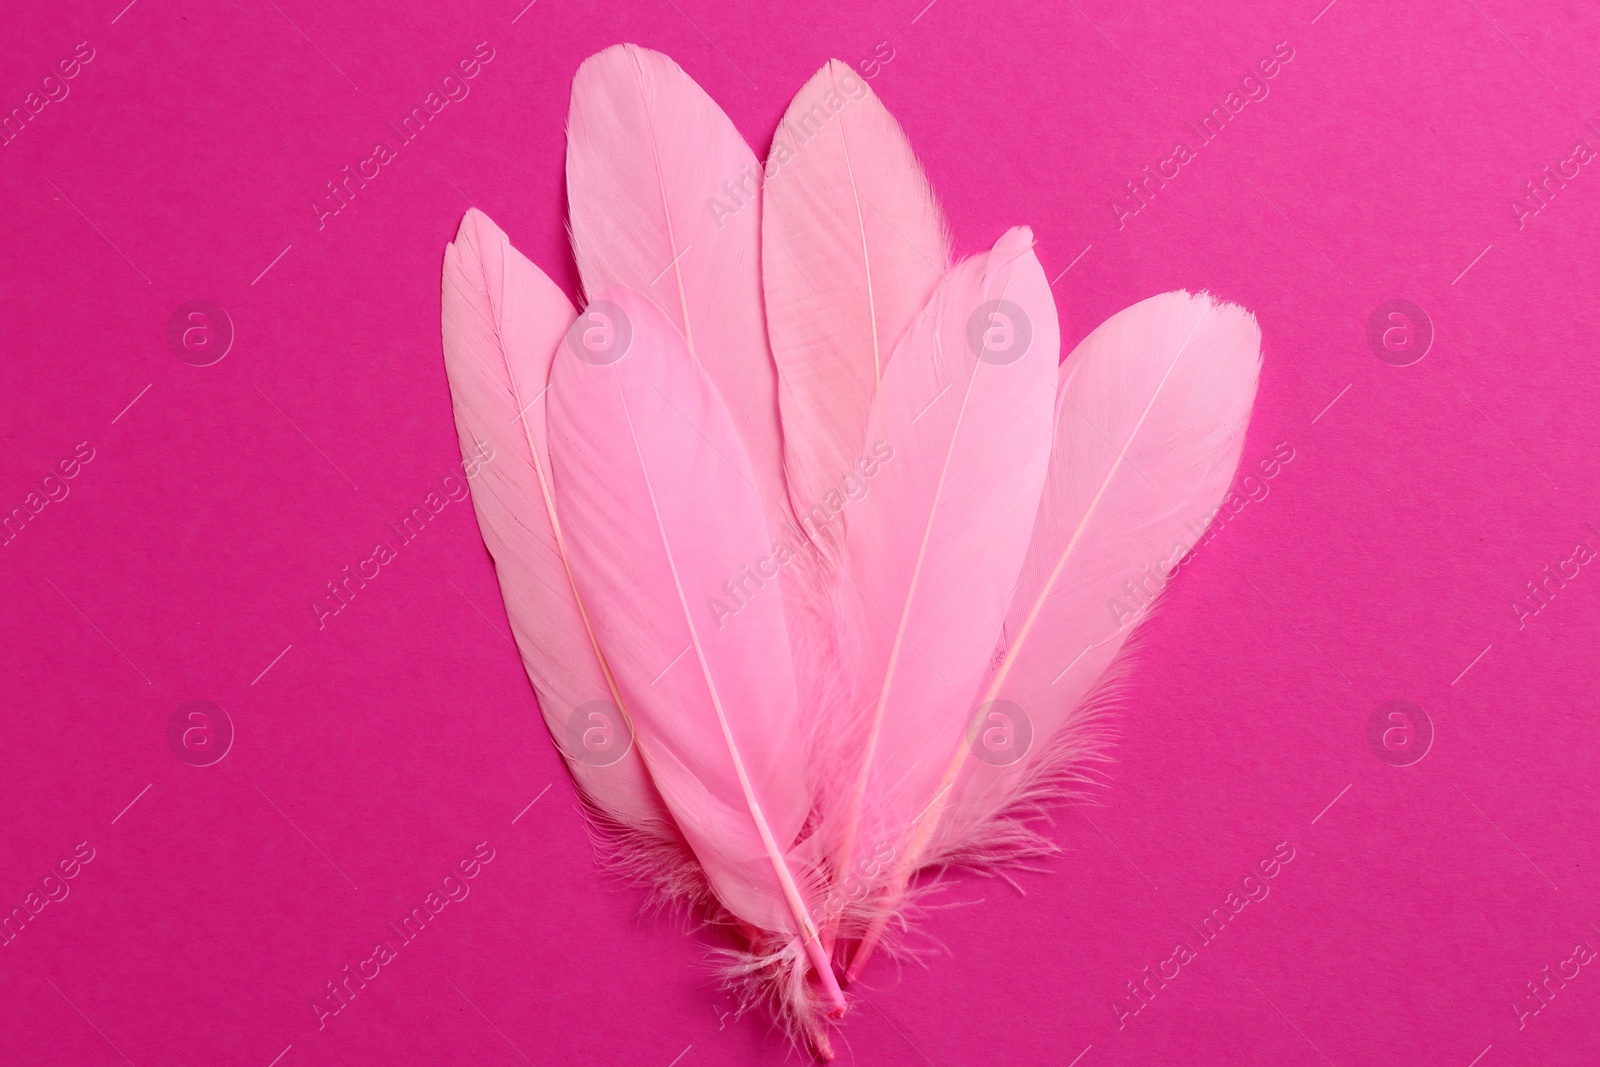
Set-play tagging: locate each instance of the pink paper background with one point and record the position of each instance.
(377, 751)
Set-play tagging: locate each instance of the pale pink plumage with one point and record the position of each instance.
(930, 556)
(647, 153)
(806, 689)
(502, 321)
(643, 448)
(1149, 422)
(665, 199)
(852, 245)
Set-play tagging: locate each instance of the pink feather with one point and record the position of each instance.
(502, 321)
(803, 697)
(648, 154)
(853, 245)
(931, 555)
(666, 200)
(1153, 409)
(660, 500)
(1150, 422)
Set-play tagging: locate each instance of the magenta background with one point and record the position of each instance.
(405, 732)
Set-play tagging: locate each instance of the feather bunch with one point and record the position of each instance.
(806, 535)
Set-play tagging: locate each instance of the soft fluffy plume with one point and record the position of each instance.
(806, 535)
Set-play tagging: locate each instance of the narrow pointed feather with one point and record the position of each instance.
(665, 199)
(1152, 411)
(662, 509)
(931, 555)
(502, 321)
(853, 245)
